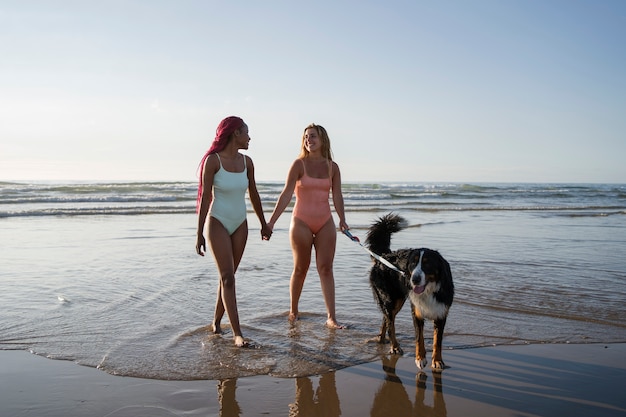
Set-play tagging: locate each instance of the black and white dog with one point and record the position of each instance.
(425, 279)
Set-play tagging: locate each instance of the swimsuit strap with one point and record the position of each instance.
(303, 166)
(330, 171)
(244, 163)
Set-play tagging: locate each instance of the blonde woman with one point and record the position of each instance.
(313, 176)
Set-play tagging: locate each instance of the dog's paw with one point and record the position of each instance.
(396, 350)
(421, 363)
(438, 366)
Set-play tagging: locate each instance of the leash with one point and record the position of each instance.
(375, 256)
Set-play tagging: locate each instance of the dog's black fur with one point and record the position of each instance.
(426, 281)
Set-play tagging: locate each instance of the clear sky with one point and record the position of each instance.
(463, 91)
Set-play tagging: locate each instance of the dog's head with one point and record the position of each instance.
(428, 271)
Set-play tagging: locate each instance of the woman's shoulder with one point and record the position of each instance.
(297, 168)
(212, 160)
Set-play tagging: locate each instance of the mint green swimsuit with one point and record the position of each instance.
(229, 192)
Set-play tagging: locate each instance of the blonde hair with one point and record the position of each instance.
(326, 151)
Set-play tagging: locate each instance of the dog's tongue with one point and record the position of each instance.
(419, 290)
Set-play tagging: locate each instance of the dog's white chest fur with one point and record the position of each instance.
(427, 304)
(425, 301)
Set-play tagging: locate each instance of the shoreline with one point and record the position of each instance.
(507, 380)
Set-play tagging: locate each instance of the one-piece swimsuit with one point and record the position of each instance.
(229, 202)
(312, 205)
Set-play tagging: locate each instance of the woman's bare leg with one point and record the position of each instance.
(227, 258)
(325, 243)
(216, 327)
(301, 245)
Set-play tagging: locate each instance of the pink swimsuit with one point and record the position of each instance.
(312, 206)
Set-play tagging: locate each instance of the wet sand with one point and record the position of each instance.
(530, 380)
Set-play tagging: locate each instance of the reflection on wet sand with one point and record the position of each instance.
(229, 407)
(392, 399)
(324, 402)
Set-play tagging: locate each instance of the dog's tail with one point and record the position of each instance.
(379, 235)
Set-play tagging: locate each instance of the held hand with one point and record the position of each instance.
(343, 226)
(266, 232)
(200, 245)
(350, 236)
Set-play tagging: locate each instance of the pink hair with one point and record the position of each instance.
(224, 131)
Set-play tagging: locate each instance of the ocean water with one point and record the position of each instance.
(106, 275)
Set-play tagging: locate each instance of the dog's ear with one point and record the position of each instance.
(445, 267)
(406, 260)
(446, 274)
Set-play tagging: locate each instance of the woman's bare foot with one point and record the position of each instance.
(240, 342)
(216, 328)
(293, 317)
(332, 324)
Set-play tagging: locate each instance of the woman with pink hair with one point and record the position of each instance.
(225, 175)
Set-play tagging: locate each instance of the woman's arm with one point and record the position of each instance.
(255, 199)
(338, 198)
(210, 168)
(295, 172)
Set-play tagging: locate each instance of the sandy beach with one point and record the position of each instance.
(524, 380)
(128, 297)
